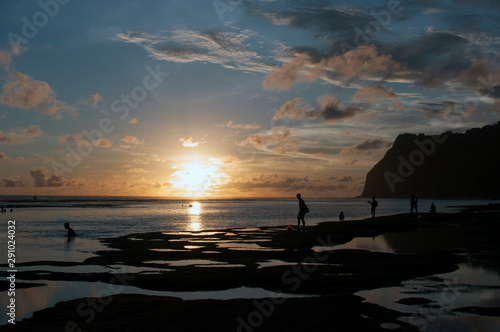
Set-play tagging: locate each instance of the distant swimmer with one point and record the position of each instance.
(71, 232)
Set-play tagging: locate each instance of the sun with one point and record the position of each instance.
(196, 179)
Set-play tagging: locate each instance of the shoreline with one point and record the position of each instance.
(328, 274)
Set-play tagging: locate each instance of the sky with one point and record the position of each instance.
(233, 98)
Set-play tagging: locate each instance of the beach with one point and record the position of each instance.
(268, 278)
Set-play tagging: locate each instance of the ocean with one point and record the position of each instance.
(40, 233)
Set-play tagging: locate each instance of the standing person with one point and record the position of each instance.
(412, 203)
(416, 205)
(341, 216)
(374, 205)
(303, 209)
(433, 209)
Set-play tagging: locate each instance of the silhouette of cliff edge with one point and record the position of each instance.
(450, 165)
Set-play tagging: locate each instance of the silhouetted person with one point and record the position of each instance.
(341, 216)
(71, 232)
(303, 209)
(374, 205)
(412, 203)
(433, 209)
(416, 205)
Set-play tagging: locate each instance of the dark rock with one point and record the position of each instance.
(450, 165)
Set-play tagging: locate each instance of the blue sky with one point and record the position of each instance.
(233, 98)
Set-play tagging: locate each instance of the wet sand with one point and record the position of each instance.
(276, 260)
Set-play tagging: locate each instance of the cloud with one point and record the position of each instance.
(132, 140)
(323, 21)
(133, 121)
(366, 147)
(292, 110)
(43, 158)
(226, 160)
(7, 54)
(24, 92)
(20, 135)
(275, 181)
(93, 100)
(230, 124)
(330, 109)
(376, 93)
(32, 131)
(346, 178)
(284, 183)
(18, 160)
(137, 170)
(84, 143)
(184, 45)
(279, 138)
(188, 142)
(73, 138)
(41, 180)
(282, 78)
(103, 143)
(363, 62)
(96, 98)
(13, 182)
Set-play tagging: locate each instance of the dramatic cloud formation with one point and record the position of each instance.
(23, 91)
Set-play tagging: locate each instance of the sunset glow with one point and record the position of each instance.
(195, 179)
(249, 99)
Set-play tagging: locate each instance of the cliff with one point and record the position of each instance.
(450, 165)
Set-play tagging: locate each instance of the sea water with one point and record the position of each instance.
(40, 233)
